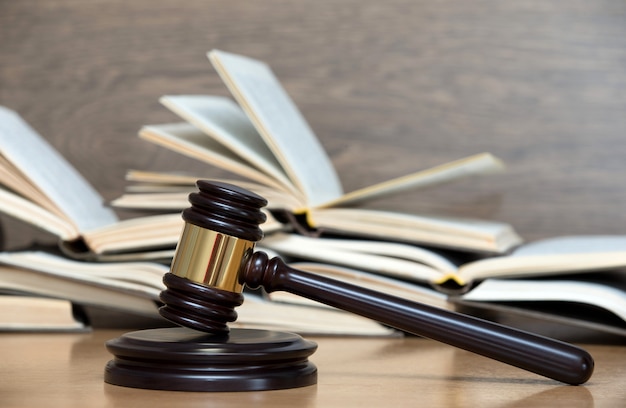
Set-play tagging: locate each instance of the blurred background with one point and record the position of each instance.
(388, 87)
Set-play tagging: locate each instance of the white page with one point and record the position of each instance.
(186, 139)
(372, 219)
(149, 274)
(459, 233)
(479, 164)
(19, 208)
(307, 248)
(558, 255)
(51, 173)
(281, 124)
(497, 290)
(575, 244)
(221, 119)
(381, 248)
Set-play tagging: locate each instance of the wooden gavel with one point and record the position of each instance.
(215, 259)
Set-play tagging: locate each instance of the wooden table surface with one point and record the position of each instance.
(388, 87)
(66, 370)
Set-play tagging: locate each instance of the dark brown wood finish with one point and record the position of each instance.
(389, 87)
(541, 355)
(181, 359)
(207, 307)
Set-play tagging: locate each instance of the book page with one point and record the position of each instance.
(13, 179)
(573, 244)
(148, 274)
(186, 139)
(174, 201)
(222, 120)
(561, 255)
(82, 290)
(51, 173)
(170, 192)
(148, 232)
(373, 281)
(309, 248)
(479, 164)
(502, 290)
(24, 210)
(136, 234)
(163, 178)
(457, 233)
(388, 249)
(281, 125)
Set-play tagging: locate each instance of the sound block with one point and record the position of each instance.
(183, 359)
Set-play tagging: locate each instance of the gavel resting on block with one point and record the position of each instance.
(213, 262)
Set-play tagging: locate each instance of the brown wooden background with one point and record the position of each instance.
(388, 86)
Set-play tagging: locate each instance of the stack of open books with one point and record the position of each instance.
(264, 141)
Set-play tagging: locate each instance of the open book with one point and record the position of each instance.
(577, 281)
(40, 187)
(131, 290)
(265, 139)
(554, 256)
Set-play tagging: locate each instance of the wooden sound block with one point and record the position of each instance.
(182, 359)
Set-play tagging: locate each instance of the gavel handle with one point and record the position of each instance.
(541, 355)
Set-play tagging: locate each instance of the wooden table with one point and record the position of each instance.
(66, 370)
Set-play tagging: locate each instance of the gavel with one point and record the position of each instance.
(213, 262)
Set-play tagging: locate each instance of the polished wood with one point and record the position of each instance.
(206, 305)
(388, 87)
(182, 359)
(542, 355)
(62, 370)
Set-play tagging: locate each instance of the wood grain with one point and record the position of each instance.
(62, 370)
(388, 87)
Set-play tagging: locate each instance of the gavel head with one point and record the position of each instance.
(204, 284)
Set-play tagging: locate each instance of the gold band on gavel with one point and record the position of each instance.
(210, 258)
